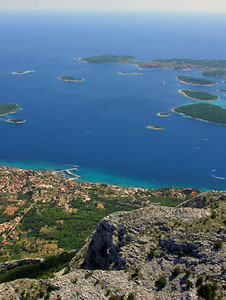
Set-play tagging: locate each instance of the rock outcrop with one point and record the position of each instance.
(205, 199)
(150, 253)
(18, 263)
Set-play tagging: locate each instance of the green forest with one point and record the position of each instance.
(110, 58)
(196, 81)
(203, 111)
(8, 108)
(201, 96)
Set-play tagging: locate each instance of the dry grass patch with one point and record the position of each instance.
(10, 210)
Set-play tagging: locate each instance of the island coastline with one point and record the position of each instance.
(154, 127)
(208, 67)
(15, 121)
(127, 73)
(22, 73)
(67, 79)
(10, 108)
(162, 114)
(184, 93)
(183, 114)
(195, 84)
(209, 113)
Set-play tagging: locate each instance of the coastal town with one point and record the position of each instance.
(23, 191)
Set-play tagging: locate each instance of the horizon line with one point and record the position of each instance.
(110, 10)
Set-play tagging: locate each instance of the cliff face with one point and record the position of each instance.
(150, 253)
(123, 239)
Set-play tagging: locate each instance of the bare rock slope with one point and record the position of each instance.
(150, 253)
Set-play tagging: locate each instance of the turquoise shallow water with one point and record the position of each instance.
(100, 124)
(87, 174)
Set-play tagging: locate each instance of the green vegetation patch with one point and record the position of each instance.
(70, 78)
(218, 245)
(197, 95)
(195, 81)
(115, 297)
(8, 108)
(205, 112)
(176, 271)
(208, 291)
(74, 228)
(102, 59)
(161, 282)
(43, 269)
(67, 78)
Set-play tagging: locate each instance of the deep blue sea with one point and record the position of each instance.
(100, 124)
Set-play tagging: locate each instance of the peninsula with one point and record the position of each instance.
(71, 79)
(197, 95)
(16, 121)
(154, 127)
(203, 112)
(214, 68)
(22, 73)
(195, 81)
(10, 108)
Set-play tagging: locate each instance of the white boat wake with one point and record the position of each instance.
(217, 177)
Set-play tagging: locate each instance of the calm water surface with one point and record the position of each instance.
(100, 124)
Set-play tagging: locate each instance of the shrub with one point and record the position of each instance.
(207, 291)
(131, 296)
(188, 272)
(151, 254)
(135, 274)
(161, 282)
(47, 296)
(214, 215)
(41, 294)
(199, 281)
(88, 275)
(115, 297)
(180, 253)
(176, 272)
(97, 282)
(189, 284)
(75, 280)
(50, 288)
(218, 245)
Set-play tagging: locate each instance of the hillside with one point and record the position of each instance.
(153, 252)
(43, 214)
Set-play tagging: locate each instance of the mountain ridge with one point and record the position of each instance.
(150, 253)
